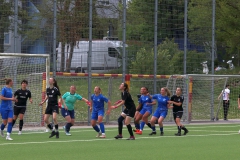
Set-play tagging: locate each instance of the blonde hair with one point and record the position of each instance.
(167, 90)
(99, 89)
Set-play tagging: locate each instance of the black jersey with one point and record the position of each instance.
(178, 99)
(129, 103)
(22, 97)
(53, 94)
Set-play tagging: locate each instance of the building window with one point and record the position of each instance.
(103, 2)
(6, 38)
(112, 52)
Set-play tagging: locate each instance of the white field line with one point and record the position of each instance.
(106, 139)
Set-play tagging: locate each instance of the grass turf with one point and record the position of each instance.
(203, 142)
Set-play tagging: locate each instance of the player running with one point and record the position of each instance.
(161, 111)
(52, 94)
(177, 101)
(68, 113)
(22, 95)
(97, 109)
(128, 112)
(146, 104)
(6, 108)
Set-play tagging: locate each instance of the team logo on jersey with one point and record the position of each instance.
(26, 93)
(98, 100)
(164, 99)
(52, 91)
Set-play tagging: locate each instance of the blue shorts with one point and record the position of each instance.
(97, 113)
(160, 113)
(144, 110)
(6, 113)
(66, 113)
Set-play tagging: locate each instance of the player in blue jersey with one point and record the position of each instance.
(52, 94)
(161, 111)
(22, 95)
(177, 101)
(97, 109)
(128, 113)
(6, 108)
(146, 104)
(68, 113)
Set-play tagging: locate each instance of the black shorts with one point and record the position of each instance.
(19, 110)
(130, 112)
(52, 108)
(178, 114)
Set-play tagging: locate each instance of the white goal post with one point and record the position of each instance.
(35, 68)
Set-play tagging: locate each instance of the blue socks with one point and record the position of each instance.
(153, 129)
(102, 127)
(161, 129)
(137, 125)
(142, 125)
(2, 126)
(96, 128)
(9, 129)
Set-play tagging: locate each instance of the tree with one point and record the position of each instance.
(6, 10)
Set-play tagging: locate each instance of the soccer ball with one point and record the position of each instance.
(239, 132)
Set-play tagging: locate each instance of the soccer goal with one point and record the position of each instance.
(35, 69)
(201, 92)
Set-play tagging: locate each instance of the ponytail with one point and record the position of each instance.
(167, 90)
(126, 87)
(7, 80)
(55, 84)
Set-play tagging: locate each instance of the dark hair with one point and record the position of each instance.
(126, 87)
(55, 84)
(24, 81)
(145, 88)
(227, 85)
(7, 80)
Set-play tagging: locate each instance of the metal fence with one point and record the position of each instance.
(157, 37)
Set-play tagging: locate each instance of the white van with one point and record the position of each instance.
(105, 55)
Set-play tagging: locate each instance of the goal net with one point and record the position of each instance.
(201, 94)
(35, 69)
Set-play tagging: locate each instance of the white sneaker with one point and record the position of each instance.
(68, 134)
(2, 134)
(99, 134)
(102, 136)
(9, 138)
(20, 132)
(64, 128)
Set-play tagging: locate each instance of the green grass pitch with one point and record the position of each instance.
(215, 141)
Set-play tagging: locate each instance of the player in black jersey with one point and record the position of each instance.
(22, 95)
(128, 112)
(177, 101)
(52, 94)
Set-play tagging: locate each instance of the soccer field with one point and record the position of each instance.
(215, 141)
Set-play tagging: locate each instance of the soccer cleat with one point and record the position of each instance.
(139, 132)
(20, 132)
(177, 134)
(153, 133)
(2, 134)
(136, 130)
(68, 134)
(131, 138)
(185, 132)
(98, 134)
(161, 134)
(118, 137)
(9, 138)
(57, 134)
(102, 136)
(52, 134)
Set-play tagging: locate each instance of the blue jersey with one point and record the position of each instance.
(7, 93)
(98, 101)
(162, 101)
(144, 100)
